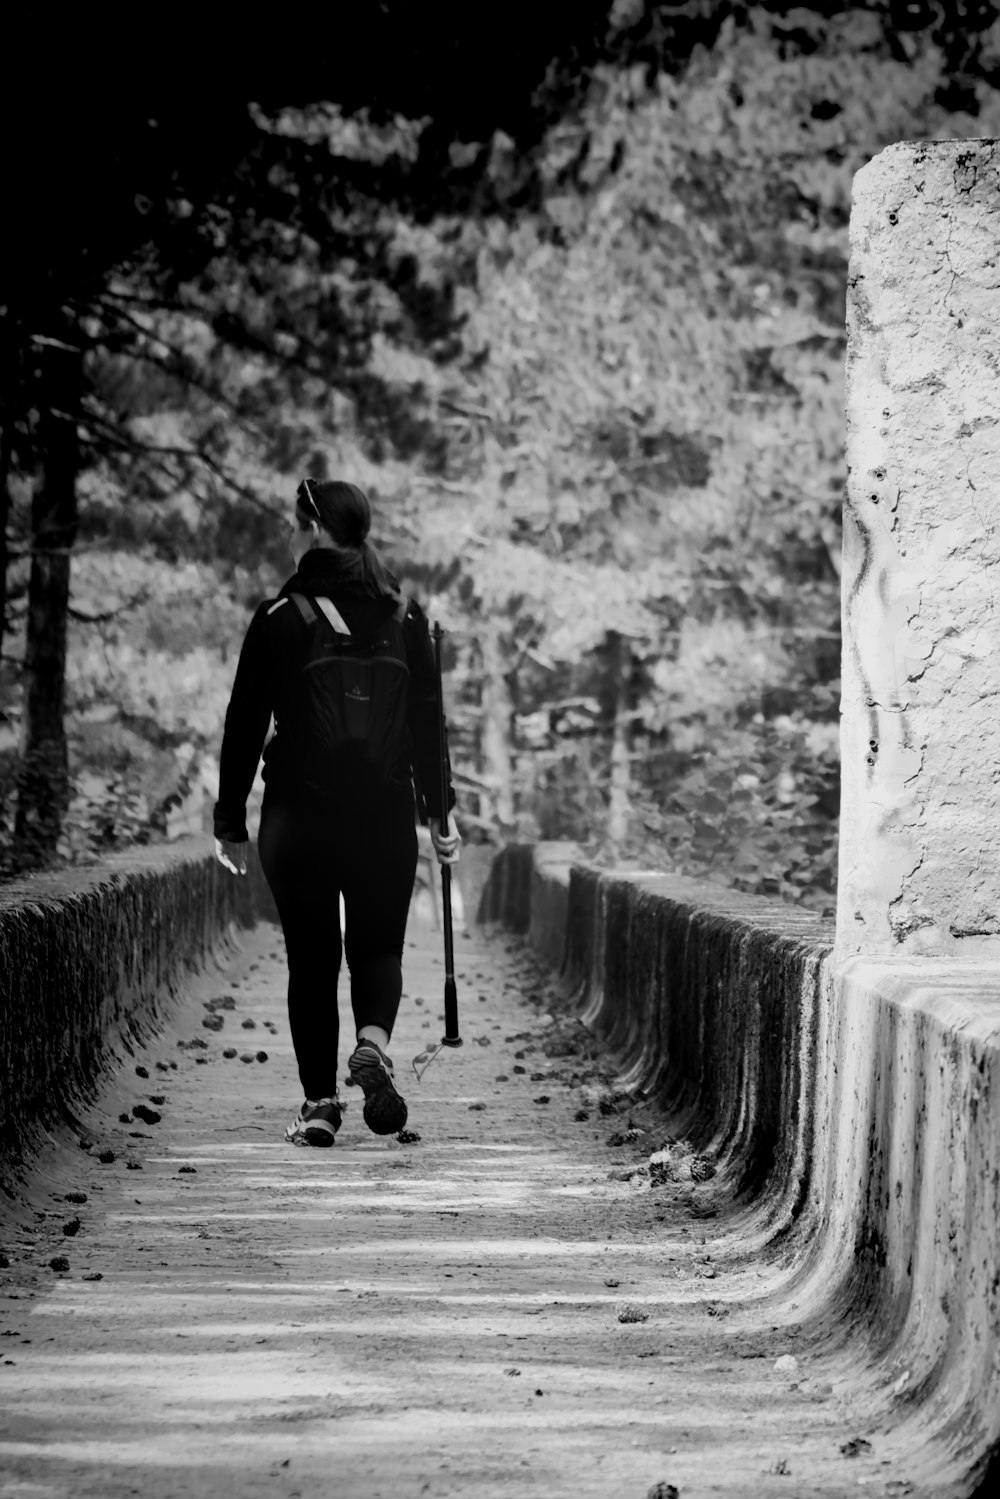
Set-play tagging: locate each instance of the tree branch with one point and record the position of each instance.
(187, 377)
(109, 614)
(136, 299)
(125, 442)
(474, 412)
(53, 343)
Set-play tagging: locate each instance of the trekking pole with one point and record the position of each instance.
(423, 1060)
(451, 1036)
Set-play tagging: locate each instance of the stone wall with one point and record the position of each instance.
(906, 1109)
(90, 960)
(852, 1112)
(709, 999)
(904, 1211)
(920, 744)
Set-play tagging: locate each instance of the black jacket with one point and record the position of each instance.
(268, 661)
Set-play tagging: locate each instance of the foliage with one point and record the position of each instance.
(654, 369)
(583, 344)
(756, 812)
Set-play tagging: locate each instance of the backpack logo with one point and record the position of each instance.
(357, 696)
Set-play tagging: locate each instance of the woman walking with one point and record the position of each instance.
(344, 663)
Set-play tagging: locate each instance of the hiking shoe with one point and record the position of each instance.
(316, 1123)
(371, 1069)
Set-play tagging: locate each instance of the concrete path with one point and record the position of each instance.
(493, 1310)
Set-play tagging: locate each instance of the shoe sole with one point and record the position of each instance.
(385, 1110)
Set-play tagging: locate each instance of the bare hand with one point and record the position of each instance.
(445, 842)
(233, 856)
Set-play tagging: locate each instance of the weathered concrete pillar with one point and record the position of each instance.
(920, 738)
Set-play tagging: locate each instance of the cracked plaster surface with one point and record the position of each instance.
(920, 817)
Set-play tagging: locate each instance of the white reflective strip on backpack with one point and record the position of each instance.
(276, 606)
(335, 619)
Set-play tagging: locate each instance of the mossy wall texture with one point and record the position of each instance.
(506, 894)
(708, 998)
(90, 959)
(905, 1195)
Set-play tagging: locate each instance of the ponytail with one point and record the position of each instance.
(343, 512)
(375, 577)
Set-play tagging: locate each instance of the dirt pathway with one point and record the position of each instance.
(492, 1310)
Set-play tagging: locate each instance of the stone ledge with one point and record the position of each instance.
(905, 1202)
(854, 1111)
(91, 959)
(708, 999)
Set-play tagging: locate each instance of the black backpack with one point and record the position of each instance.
(345, 728)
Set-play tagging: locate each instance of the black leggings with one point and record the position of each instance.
(309, 859)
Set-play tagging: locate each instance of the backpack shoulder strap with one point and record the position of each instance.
(304, 607)
(332, 615)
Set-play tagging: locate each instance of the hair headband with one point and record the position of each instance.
(309, 497)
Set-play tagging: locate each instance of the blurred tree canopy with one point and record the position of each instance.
(564, 291)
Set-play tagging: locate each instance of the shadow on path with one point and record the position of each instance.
(512, 1305)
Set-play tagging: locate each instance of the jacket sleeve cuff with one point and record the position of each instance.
(432, 804)
(230, 827)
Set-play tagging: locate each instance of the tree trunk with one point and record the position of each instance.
(620, 779)
(495, 735)
(9, 394)
(6, 457)
(43, 788)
